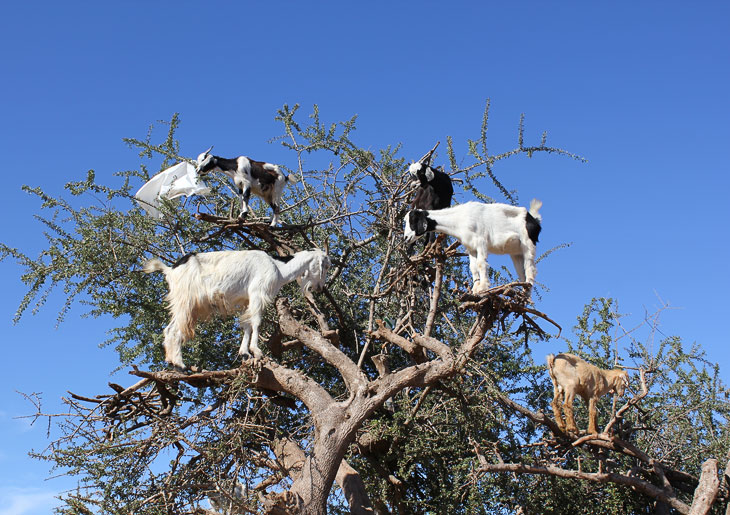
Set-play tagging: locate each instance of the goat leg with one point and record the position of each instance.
(556, 412)
(569, 416)
(245, 197)
(592, 417)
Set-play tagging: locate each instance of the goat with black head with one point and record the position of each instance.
(434, 186)
(264, 180)
(484, 229)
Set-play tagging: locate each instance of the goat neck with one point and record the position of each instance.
(295, 267)
(440, 220)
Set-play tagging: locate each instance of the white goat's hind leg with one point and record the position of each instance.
(243, 351)
(474, 272)
(528, 257)
(257, 354)
(483, 270)
(519, 261)
(256, 306)
(173, 346)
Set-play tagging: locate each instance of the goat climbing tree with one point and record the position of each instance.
(396, 384)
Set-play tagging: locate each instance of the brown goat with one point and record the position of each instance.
(570, 376)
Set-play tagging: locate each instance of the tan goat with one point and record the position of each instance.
(570, 376)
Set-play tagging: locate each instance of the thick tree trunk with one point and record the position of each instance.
(332, 437)
(312, 481)
(707, 489)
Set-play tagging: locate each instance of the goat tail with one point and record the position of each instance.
(535, 206)
(550, 363)
(287, 178)
(155, 265)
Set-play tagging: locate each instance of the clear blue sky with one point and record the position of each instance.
(638, 88)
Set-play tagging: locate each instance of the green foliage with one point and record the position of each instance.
(421, 456)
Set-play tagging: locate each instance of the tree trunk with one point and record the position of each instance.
(313, 476)
(707, 489)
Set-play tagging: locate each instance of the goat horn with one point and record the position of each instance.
(209, 149)
(426, 159)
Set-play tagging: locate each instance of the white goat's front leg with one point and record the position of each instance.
(483, 270)
(173, 346)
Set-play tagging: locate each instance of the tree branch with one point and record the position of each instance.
(598, 477)
(353, 376)
(707, 490)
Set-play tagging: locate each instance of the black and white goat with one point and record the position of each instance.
(434, 187)
(262, 179)
(226, 282)
(483, 229)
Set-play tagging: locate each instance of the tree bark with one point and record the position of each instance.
(354, 490)
(707, 489)
(295, 461)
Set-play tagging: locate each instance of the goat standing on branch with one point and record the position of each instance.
(483, 229)
(434, 186)
(226, 282)
(570, 376)
(262, 179)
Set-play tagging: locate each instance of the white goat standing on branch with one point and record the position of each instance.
(570, 376)
(483, 229)
(226, 282)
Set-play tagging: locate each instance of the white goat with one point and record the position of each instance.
(483, 229)
(570, 376)
(226, 282)
(262, 179)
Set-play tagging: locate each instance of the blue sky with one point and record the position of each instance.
(638, 88)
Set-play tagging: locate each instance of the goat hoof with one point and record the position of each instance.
(181, 369)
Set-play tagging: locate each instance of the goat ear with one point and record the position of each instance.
(429, 173)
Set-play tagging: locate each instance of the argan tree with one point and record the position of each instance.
(395, 384)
